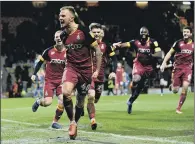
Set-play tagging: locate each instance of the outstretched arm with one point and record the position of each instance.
(167, 57)
(121, 45)
(98, 58)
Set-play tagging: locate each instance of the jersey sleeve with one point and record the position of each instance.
(155, 46)
(175, 47)
(110, 51)
(89, 37)
(130, 43)
(45, 55)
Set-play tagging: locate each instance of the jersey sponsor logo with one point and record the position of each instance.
(141, 50)
(74, 46)
(181, 45)
(57, 61)
(186, 51)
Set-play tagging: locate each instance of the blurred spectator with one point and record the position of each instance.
(25, 77)
(111, 86)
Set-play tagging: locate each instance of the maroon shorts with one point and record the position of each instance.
(181, 75)
(81, 80)
(50, 86)
(141, 70)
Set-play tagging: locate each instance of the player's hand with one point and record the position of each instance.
(63, 35)
(116, 45)
(33, 78)
(95, 74)
(112, 75)
(162, 67)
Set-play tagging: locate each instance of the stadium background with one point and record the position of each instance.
(27, 29)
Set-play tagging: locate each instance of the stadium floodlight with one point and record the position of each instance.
(142, 4)
(187, 3)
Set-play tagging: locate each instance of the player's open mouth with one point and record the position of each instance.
(61, 22)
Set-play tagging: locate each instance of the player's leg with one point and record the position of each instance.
(47, 99)
(137, 84)
(59, 110)
(186, 82)
(93, 95)
(69, 80)
(176, 81)
(98, 91)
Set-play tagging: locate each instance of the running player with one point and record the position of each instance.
(78, 72)
(96, 87)
(55, 63)
(147, 50)
(183, 63)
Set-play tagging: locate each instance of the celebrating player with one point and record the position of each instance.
(183, 63)
(96, 87)
(78, 72)
(147, 49)
(55, 63)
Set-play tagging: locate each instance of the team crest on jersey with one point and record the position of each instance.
(78, 37)
(52, 52)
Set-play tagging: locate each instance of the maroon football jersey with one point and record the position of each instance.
(183, 54)
(55, 63)
(106, 51)
(143, 50)
(79, 50)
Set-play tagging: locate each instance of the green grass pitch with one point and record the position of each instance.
(153, 121)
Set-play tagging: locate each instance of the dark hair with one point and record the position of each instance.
(95, 25)
(189, 28)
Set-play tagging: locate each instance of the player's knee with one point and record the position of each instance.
(47, 101)
(60, 99)
(136, 78)
(91, 96)
(66, 95)
(67, 92)
(175, 89)
(80, 103)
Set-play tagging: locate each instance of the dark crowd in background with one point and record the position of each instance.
(28, 28)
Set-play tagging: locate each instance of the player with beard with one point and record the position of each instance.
(182, 67)
(78, 72)
(96, 86)
(147, 51)
(54, 57)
